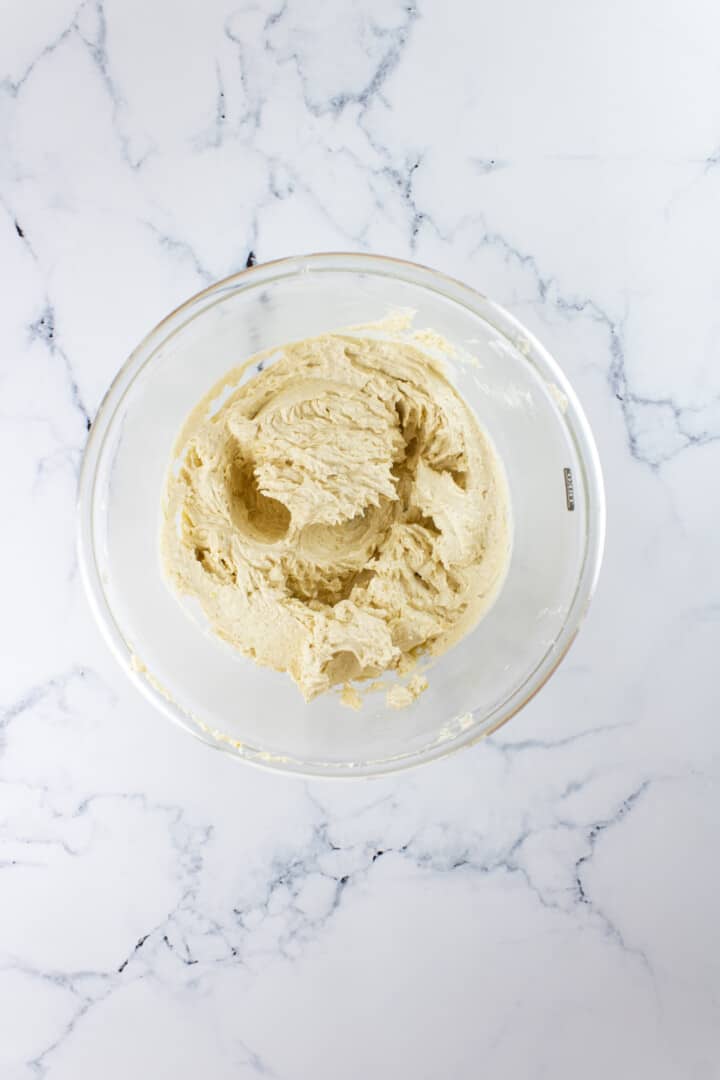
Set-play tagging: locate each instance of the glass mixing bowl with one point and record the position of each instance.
(521, 398)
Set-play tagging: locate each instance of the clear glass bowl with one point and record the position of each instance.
(520, 396)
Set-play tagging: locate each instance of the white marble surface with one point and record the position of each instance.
(543, 906)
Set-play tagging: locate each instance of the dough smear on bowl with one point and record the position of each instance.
(340, 514)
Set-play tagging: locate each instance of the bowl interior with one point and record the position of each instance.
(521, 400)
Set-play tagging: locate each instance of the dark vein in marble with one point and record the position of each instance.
(404, 183)
(254, 1061)
(595, 832)
(181, 248)
(523, 745)
(220, 109)
(91, 988)
(393, 39)
(138, 945)
(44, 330)
(13, 87)
(97, 47)
(251, 118)
(632, 404)
(487, 165)
(28, 701)
(279, 905)
(712, 160)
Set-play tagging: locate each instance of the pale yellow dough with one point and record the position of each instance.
(340, 514)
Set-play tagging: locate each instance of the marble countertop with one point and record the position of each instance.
(544, 905)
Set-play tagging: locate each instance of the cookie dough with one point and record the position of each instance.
(340, 513)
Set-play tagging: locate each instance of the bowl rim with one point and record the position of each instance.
(469, 733)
